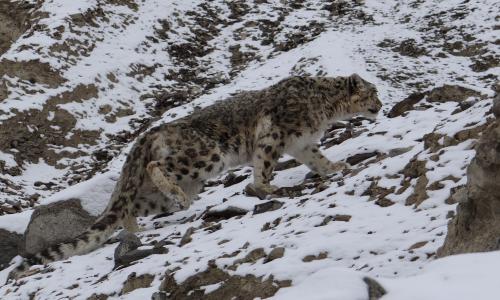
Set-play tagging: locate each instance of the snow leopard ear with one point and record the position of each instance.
(354, 83)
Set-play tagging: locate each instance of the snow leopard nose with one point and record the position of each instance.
(376, 108)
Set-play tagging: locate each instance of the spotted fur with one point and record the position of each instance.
(167, 166)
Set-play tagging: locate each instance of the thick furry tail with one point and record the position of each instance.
(91, 239)
(116, 214)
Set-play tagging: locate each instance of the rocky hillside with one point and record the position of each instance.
(79, 80)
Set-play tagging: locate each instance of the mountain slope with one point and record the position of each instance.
(89, 76)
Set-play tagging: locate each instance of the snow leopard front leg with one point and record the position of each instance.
(312, 157)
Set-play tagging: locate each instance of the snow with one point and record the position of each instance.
(327, 284)
(16, 222)
(375, 242)
(93, 193)
(465, 276)
(8, 159)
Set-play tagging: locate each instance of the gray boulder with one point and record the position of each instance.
(9, 242)
(496, 101)
(55, 223)
(476, 226)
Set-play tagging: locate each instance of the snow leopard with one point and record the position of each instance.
(167, 166)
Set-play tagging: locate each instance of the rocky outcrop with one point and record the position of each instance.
(445, 93)
(55, 223)
(9, 242)
(217, 284)
(15, 19)
(135, 282)
(476, 227)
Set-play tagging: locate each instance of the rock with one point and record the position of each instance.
(267, 206)
(453, 93)
(127, 258)
(399, 151)
(129, 242)
(376, 192)
(457, 195)
(290, 191)
(357, 158)
(375, 290)
(98, 297)
(419, 193)
(232, 179)
(384, 202)
(410, 48)
(476, 226)
(405, 105)
(276, 253)
(342, 218)
(325, 221)
(186, 238)
(496, 101)
(252, 191)
(159, 296)
(135, 282)
(337, 217)
(9, 243)
(55, 223)
(471, 133)
(246, 287)
(436, 141)
(309, 258)
(227, 213)
(418, 245)
(443, 93)
(252, 256)
(285, 165)
(415, 168)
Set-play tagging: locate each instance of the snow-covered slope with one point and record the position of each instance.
(119, 66)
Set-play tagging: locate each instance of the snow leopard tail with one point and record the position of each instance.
(117, 213)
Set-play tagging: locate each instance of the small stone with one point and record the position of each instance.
(129, 242)
(342, 218)
(276, 253)
(418, 245)
(290, 191)
(98, 297)
(419, 193)
(309, 258)
(159, 296)
(325, 221)
(375, 290)
(384, 202)
(252, 256)
(399, 151)
(231, 179)
(186, 238)
(405, 105)
(285, 165)
(227, 213)
(252, 191)
(357, 158)
(415, 168)
(267, 206)
(134, 282)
